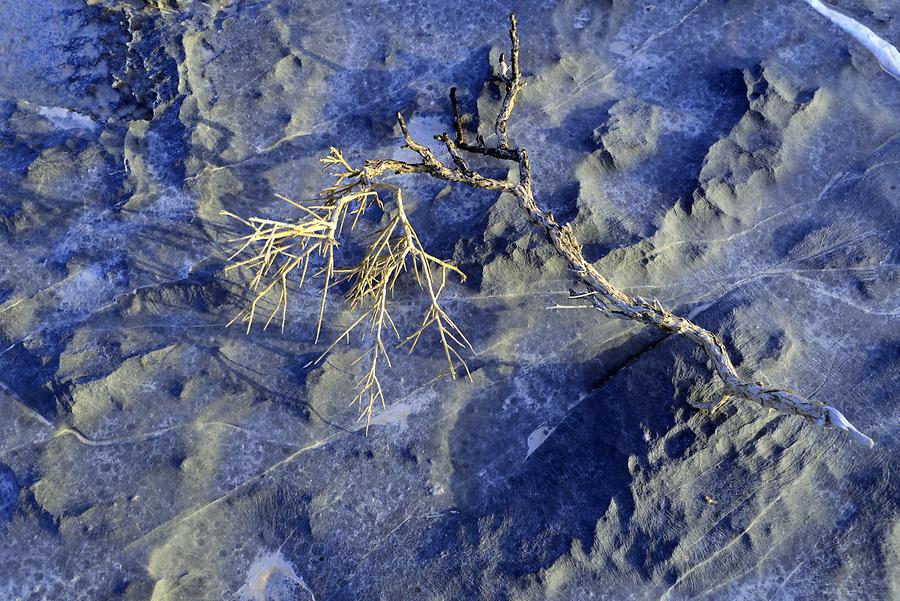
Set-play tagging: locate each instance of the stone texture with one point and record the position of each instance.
(738, 161)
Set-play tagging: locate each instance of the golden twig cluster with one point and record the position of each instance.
(277, 251)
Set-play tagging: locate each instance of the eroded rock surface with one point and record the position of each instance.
(738, 161)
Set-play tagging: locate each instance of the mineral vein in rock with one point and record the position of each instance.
(887, 55)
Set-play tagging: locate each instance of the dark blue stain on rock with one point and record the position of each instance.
(9, 492)
(29, 373)
(153, 60)
(166, 145)
(150, 75)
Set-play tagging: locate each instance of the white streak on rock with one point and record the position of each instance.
(261, 572)
(396, 414)
(64, 118)
(537, 438)
(888, 56)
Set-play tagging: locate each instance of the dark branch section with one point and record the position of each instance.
(513, 84)
(457, 119)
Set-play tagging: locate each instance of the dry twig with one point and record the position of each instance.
(371, 278)
(276, 250)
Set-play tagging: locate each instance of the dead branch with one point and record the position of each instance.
(600, 293)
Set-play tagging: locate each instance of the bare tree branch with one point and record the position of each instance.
(613, 302)
(600, 293)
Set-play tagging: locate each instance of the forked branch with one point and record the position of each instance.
(282, 248)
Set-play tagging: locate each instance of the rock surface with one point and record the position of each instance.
(737, 160)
